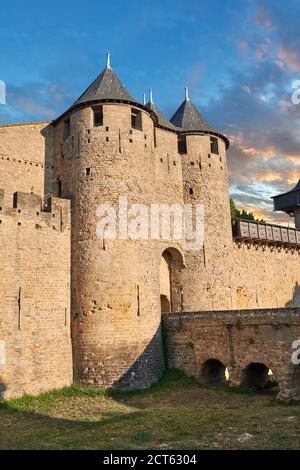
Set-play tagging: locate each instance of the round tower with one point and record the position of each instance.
(104, 156)
(206, 279)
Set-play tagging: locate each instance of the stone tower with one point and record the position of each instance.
(104, 151)
(206, 279)
(110, 153)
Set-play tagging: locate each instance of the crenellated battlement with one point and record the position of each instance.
(29, 208)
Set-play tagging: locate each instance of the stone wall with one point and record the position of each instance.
(116, 284)
(25, 158)
(35, 343)
(235, 339)
(264, 277)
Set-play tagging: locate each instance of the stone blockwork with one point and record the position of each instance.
(234, 340)
(117, 287)
(264, 277)
(115, 283)
(35, 352)
(25, 158)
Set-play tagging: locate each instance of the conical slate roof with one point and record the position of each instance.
(107, 86)
(162, 119)
(188, 119)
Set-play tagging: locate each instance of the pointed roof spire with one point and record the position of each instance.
(151, 97)
(188, 119)
(162, 120)
(187, 93)
(107, 86)
(108, 60)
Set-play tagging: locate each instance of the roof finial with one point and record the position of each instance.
(108, 60)
(187, 93)
(144, 99)
(150, 96)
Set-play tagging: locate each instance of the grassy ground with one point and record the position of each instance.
(177, 413)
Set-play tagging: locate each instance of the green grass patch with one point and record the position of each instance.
(176, 413)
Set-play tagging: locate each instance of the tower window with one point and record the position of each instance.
(98, 117)
(136, 119)
(191, 191)
(154, 136)
(182, 144)
(59, 188)
(214, 145)
(67, 129)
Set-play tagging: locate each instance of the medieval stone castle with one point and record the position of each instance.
(77, 308)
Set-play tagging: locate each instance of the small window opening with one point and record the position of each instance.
(136, 119)
(182, 144)
(67, 129)
(59, 188)
(154, 136)
(98, 117)
(214, 145)
(191, 191)
(88, 171)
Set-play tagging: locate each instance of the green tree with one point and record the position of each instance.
(237, 214)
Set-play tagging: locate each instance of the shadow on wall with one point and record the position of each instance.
(295, 301)
(147, 369)
(2, 390)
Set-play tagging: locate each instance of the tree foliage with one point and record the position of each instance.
(242, 214)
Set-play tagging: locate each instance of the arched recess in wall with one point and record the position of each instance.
(171, 291)
(213, 372)
(258, 376)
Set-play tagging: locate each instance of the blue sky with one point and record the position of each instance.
(238, 57)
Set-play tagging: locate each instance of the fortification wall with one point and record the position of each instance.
(264, 277)
(25, 158)
(236, 339)
(35, 343)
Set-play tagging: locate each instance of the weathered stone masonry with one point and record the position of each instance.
(34, 295)
(236, 339)
(60, 281)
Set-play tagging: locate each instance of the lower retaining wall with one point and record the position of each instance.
(236, 339)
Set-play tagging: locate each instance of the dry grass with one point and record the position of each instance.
(177, 413)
